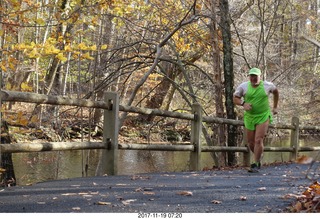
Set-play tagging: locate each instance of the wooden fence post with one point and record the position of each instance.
(294, 141)
(196, 127)
(108, 163)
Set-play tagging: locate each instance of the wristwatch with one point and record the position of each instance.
(242, 102)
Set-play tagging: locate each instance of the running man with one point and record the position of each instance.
(253, 95)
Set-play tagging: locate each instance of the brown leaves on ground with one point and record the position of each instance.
(304, 159)
(309, 201)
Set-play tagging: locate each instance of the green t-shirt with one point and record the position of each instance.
(260, 111)
(258, 98)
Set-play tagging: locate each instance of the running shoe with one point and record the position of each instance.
(254, 168)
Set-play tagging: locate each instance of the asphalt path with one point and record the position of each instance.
(217, 191)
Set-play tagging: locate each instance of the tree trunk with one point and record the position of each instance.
(7, 178)
(160, 92)
(228, 77)
(218, 136)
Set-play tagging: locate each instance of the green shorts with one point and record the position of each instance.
(250, 121)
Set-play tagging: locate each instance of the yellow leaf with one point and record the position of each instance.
(93, 48)
(87, 56)
(3, 67)
(82, 46)
(12, 66)
(40, 21)
(8, 86)
(55, 50)
(23, 121)
(34, 54)
(50, 49)
(68, 48)
(61, 57)
(104, 46)
(19, 114)
(34, 119)
(26, 87)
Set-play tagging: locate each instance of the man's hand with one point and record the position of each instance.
(247, 106)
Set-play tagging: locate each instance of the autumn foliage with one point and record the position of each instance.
(309, 201)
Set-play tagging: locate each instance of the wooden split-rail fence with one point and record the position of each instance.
(111, 146)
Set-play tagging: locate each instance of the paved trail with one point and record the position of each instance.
(221, 191)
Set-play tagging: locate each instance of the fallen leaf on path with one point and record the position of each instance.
(185, 193)
(216, 202)
(135, 177)
(127, 202)
(138, 189)
(103, 203)
(68, 194)
(243, 198)
(262, 189)
(298, 206)
(304, 159)
(316, 188)
(148, 193)
(309, 201)
(287, 196)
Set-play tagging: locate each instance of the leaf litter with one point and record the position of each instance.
(309, 200)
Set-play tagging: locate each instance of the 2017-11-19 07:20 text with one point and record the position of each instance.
(159, 215)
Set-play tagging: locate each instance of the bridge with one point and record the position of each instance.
(110, 145)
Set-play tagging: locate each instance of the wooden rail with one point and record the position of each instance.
(110, 145)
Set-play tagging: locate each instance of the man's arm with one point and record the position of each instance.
(237, 100)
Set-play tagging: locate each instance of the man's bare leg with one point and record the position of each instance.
(260, 133)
